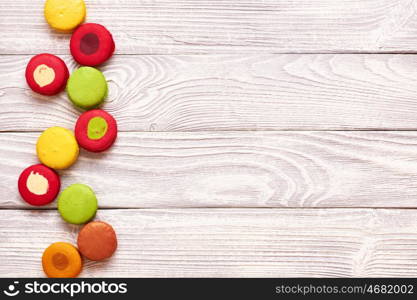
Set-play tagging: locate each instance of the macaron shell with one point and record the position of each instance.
(46, 74)
(61, 260)
(64, 15)
(82, 131)
(39, 185)
(87, 88)
(97, 240)
(57, 148)
(91, 44)
(77, 204)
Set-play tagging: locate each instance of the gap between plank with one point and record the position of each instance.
(247, 130)
(239, 54)
(225, 207)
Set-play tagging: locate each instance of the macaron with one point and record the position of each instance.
(57, 148)
(97, 240)
(39, 185)
(77, 204)
(91, 44)
(46, 74)
(64, 15)
(61, 260)
(87, 88)
(95, 130)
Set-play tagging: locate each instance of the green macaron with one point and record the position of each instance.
(87, 87)
(77, 204)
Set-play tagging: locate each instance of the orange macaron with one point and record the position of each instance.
(61, 260)
(97, 240)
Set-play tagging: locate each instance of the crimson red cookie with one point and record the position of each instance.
(96, 130)
(39, 185)
(46, 74)
(91, 44)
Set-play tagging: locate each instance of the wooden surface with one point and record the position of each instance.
(227, 242)
(224, 26)
(234, 92)
(235, 169)
(257, 138)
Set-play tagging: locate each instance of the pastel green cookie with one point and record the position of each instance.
(87, 87)
(77, 204)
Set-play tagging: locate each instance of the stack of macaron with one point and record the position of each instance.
(57, 148)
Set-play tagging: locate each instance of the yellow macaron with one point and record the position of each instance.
(57, 148)
(64, 15)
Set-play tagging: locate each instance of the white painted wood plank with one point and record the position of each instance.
(228, 26)
(226, 242)
(201, 93)
(235, 169)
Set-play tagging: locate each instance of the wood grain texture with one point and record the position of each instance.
(201, 93)
(199, 153)
(227, 26)
(235, 169)
(227, 243)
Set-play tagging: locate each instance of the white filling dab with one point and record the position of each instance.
(37, 184)
(43, 75)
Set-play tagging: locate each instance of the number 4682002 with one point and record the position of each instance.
(390, 289)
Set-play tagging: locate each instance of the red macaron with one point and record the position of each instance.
(91, 44)
(47, 74)
(39, 185)
(95, 130)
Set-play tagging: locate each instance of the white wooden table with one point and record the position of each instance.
(267, 138)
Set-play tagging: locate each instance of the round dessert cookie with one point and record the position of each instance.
(97, 240)
(77, 204)
(46, 74)
(39, 185)
(95, 130)
(64, 15)
(57, 148)
(61, 260)
(91, 44)
(87, 88)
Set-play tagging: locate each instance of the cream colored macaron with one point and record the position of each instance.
(64, 15)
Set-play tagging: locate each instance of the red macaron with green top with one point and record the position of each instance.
(96, 130)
